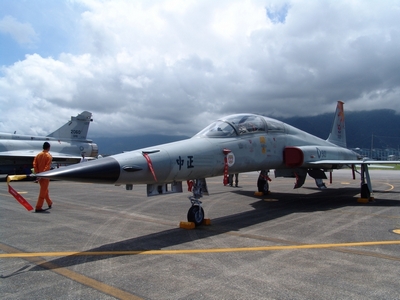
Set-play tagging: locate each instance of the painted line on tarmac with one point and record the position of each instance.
(391, 187)
(89, 282)
(195, 251)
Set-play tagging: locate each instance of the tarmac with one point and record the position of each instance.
(104, 242)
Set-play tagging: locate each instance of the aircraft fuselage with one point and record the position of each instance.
(202, 157)
(18, 151)
(234, 144)
(67, 146)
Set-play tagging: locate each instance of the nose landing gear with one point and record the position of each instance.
(196, 212)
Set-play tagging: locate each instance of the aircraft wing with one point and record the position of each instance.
(19, 153)
(354, 162)
(33, 153)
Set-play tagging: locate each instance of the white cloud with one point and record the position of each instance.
(173, 66)
(22, 33)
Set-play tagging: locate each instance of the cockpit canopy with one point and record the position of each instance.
(235, 125)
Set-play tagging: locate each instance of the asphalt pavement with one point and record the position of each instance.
(104, 242)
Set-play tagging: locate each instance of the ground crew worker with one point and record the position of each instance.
(236, 179)
(41, 163)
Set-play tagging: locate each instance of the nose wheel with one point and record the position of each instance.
(196, 215)
(196, 212)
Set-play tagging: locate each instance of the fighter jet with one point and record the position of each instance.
(68, 145)
(233, 144)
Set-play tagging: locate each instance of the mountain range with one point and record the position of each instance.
(364, 129)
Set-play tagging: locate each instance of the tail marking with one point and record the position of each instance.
(338, 132)
(76, 129)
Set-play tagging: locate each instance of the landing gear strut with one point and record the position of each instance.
(262, 182)
(196, 212)
(366, 188)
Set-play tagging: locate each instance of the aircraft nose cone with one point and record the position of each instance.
(103, 170)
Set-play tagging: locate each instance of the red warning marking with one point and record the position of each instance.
(19, 198)
(226, 179)
(150, 164)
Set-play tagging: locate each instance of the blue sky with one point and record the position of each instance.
(172, 67)
(43, 27)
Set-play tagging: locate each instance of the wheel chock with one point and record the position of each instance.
(187, 225)
(258, 194)
(362, 200)
(207, 222)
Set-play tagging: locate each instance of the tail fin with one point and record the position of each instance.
(338, 132)
(76, 129)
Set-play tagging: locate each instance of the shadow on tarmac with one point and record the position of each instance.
(282, 204)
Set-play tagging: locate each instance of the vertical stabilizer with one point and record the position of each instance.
(76, 129)
(338, 132)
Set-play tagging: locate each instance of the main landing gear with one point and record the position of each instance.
(366, 188)
(196, 212)
(262, 182)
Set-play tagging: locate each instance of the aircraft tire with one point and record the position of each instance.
(263, 186)
(365, 193)
(196, 215)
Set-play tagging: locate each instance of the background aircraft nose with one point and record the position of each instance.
(103, 170)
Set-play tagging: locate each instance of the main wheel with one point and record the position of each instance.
(365, 193)
(196, 215)
(263, 186)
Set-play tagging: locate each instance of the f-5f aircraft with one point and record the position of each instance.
(68, 144)
(234, 144)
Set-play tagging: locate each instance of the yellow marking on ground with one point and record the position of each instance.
(391, 187)
(397, 231)
(194, 251)
(9, 195)
(100, 286)
(345, 183)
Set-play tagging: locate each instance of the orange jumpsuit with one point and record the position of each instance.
(41, 163)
